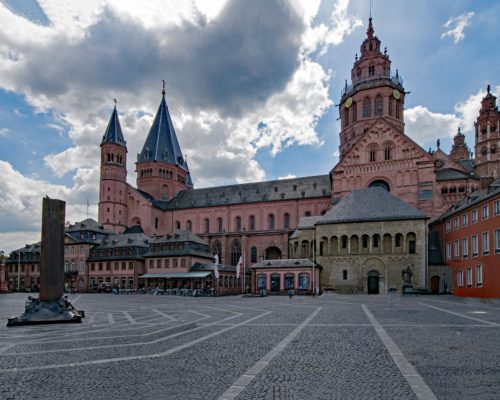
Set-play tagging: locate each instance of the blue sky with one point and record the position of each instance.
(251, 86)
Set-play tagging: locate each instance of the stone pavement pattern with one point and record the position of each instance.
(331, 347)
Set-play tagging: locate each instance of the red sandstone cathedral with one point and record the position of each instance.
(257, 219)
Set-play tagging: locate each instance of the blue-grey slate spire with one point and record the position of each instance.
(113, 133)
(161, 143)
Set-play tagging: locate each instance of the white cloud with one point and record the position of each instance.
(425, 126)
(456, 26)
(10, 241)
(4, 131)
(289, 176)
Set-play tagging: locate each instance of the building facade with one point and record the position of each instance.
(470, 236)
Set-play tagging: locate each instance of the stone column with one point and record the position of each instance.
(52, 251)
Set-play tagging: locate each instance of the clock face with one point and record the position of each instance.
(396, 94)
(348, 103)
(438, 164)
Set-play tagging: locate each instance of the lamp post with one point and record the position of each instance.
(18, 271)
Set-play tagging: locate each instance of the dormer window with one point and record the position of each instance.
(165, 154)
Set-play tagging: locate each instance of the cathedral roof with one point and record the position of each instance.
(113, 134)
(161, 143)
(450, 174)
(372, 204)
(282, 189)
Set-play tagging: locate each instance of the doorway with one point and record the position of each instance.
(373, 282)
(275, 283)
(435, 280)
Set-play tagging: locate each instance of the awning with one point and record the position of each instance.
(173, 275)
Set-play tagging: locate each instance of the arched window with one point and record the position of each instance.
(398, 107)
(380, 183)
(354, 112)
(373, 155)
(378, 105)
(346, 117)
(270, 221)
(207, 225)
(251, 223)
(216, 248)
(343, 242)
(367, 108)
(371, 68)
(235, 252)
(286, 220)
(391, 106)
(388, 152)
(253, 254)
(177, 225)
(237, 224)
(220, 225)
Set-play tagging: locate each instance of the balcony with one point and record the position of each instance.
(396, 81)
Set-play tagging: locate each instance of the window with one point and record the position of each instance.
(465, 248)
(207, 225)
(235, 252)
(460, 278)
(237, 224)
(497, 207)
(354, 112)
(286, 220)
(344, 274)
(474, 216)
(398, 105)
(220, 225)
(82, 265)
(375, 240)
(456, 250)
(371, 68)
(365, 241)
(425, 194)
(373, 155)
(486, 211)
(486, 243)
(262, 281)
(367, 108)
(253, 254)
(474, 245)
(189, 225)
(391, 106)
(270, 221)
(177, 225)
(303, 281)
(469, 277)
(378, 105)
(455, 223)
(251, 223)
(497, 241)
(387, 153)
(448, 226)
(448, 250)
(479, 276)
(346, 117)
(344, 242)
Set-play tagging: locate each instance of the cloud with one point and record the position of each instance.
(10, 241)
(456, 26)
(4, 131)
(425, 126)
(289, 176)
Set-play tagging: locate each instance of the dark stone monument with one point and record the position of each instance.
(407, 285)
(52, 306)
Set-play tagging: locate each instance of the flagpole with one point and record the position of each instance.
(313, 281)
(244, 270)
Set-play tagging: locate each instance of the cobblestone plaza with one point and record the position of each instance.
(330, 347)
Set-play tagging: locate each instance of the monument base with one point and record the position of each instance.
(47, 312)
(408, 289)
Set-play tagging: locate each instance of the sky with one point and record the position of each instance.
(252, 86)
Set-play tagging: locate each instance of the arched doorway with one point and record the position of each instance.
(275, 283)
(373, 282)
(435, 280)
(273, 253)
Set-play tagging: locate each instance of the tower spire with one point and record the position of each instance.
(163, 90)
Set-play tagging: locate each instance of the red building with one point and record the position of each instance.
(470, 238)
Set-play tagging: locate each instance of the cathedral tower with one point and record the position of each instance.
(373, 94)
(459, 150)
(161, 169)
(487, 138)
(113, 179)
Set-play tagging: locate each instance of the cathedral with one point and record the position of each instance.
(259, 220)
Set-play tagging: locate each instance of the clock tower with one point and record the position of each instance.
(373, 94)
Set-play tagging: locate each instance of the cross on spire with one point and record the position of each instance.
(115, 101)
(163, 83)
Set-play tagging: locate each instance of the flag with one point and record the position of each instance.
(239, 266)
(216, 262)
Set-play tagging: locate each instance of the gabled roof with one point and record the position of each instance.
(308, 222)
(125, 240)
(449, 174)
(161, 143)
(372, 204)
(88, 224)
(113, 134)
